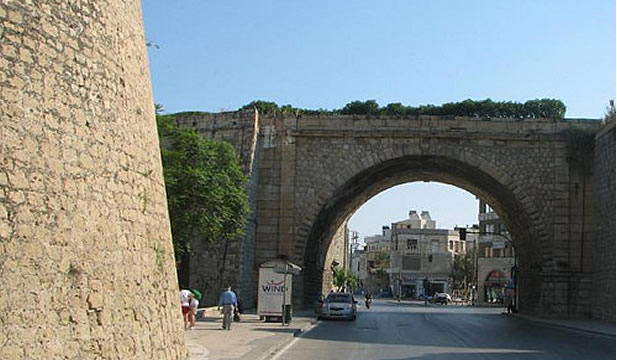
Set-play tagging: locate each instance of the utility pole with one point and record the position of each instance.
(353, 245)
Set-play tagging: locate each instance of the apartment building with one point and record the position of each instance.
(420, 252)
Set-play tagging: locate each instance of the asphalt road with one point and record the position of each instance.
(414, 331)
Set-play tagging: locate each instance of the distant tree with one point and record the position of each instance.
(395, 109)
(382, 260)
(158, 109)
(462, 268)
(344, 278)
(205, 187)
(264, 107)
(486, 109)
(369, 107)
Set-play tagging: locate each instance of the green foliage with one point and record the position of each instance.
(268, 107)
(382, 260)
(484, 109)
(344, 278)
(264, 107)
(369, 107)
(158, 109)
(463, 267)
(205, 186)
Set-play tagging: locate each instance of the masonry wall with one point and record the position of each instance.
(207, 270)
(520, 167)
(603, 290)
(86, 260)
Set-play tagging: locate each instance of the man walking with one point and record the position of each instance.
(228, 301)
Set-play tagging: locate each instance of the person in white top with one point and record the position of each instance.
(185, 301)
(193, 304)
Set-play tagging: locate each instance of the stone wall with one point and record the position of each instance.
(86, 260)
(316, 170)
(336, 253)
(603, 289)
(207, 271)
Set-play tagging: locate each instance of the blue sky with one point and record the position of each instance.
(219, 55)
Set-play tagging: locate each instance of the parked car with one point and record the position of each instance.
(442, 298)
(339, 306)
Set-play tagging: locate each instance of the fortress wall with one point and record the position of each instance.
(603, 290)
(86, 259)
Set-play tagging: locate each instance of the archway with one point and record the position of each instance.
(508, 202)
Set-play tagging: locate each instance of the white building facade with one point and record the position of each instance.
(420, 253)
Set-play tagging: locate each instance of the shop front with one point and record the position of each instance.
(494, 286)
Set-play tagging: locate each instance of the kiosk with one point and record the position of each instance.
(274, 297)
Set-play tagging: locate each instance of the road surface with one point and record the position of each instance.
(413, 331)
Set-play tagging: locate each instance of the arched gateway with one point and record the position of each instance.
(312, 172)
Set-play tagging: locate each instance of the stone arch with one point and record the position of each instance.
(361, 180)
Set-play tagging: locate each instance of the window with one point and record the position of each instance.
(451, 244)
(411, 262)
(412, 244)
(434, 246)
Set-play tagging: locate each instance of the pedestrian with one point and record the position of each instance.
(185, 302)
(237, 310)
(193, 305)
(228, 301)
(509, 297)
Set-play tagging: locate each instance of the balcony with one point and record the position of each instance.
(488, 216)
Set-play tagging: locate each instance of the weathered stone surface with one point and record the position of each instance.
(86, 263)
(604, 239)
(333, 164)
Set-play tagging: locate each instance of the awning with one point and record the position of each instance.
(496, 278)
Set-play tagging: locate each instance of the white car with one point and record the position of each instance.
(442, 298)
(339, 306)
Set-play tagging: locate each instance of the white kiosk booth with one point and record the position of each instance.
(274, 298)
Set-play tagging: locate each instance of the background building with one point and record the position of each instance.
(421, 252)
(378, 261)
(496, 256)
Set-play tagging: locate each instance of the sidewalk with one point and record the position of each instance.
(589, 326)
(249, 339)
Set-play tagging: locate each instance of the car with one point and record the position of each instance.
(442, 298)
(339, 305)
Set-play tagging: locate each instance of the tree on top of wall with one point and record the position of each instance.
(481, 109)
